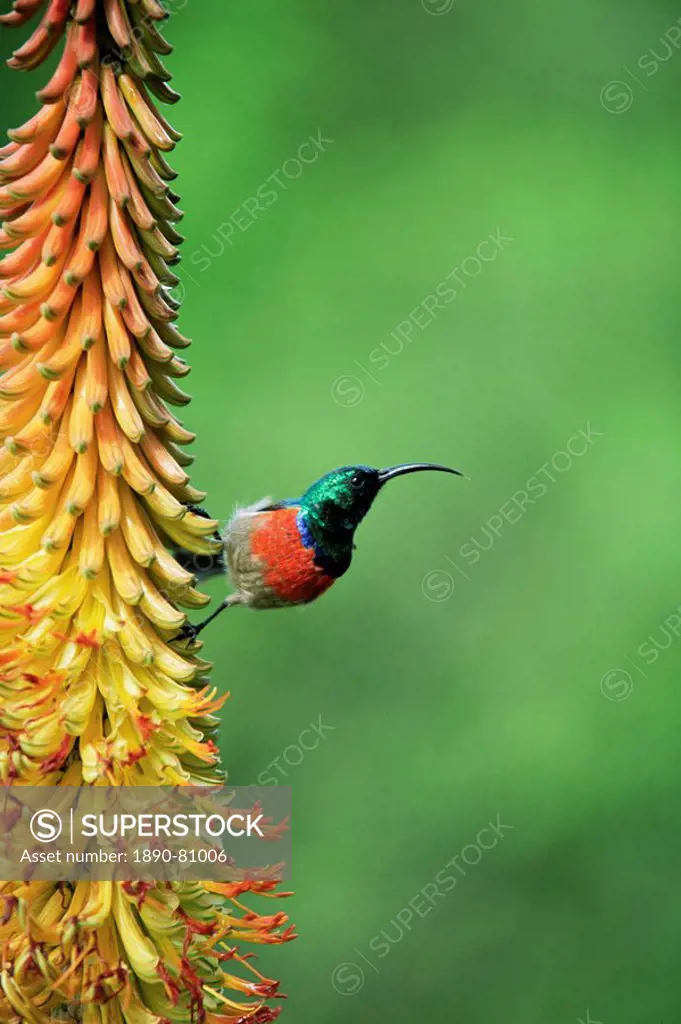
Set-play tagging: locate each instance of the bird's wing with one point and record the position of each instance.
(264, 505)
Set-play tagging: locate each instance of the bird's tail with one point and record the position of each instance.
(202, 566)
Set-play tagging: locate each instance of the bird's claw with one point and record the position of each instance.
(188, 632)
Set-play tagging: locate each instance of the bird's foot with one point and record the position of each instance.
(188, 632)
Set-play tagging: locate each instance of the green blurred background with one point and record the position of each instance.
(447, 700)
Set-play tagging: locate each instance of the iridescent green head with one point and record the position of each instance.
(335, 505)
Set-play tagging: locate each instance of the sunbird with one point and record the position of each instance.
(285, 553)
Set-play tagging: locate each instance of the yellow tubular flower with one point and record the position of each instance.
(93, 687)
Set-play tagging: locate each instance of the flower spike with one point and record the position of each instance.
(94, 685)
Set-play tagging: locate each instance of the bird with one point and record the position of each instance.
(281, 554)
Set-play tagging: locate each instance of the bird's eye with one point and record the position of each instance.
(356, 480)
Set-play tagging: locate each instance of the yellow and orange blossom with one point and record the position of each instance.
(93, 489)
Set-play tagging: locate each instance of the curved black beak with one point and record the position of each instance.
(412, 467)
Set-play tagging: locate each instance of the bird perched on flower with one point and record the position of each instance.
(285, 553)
